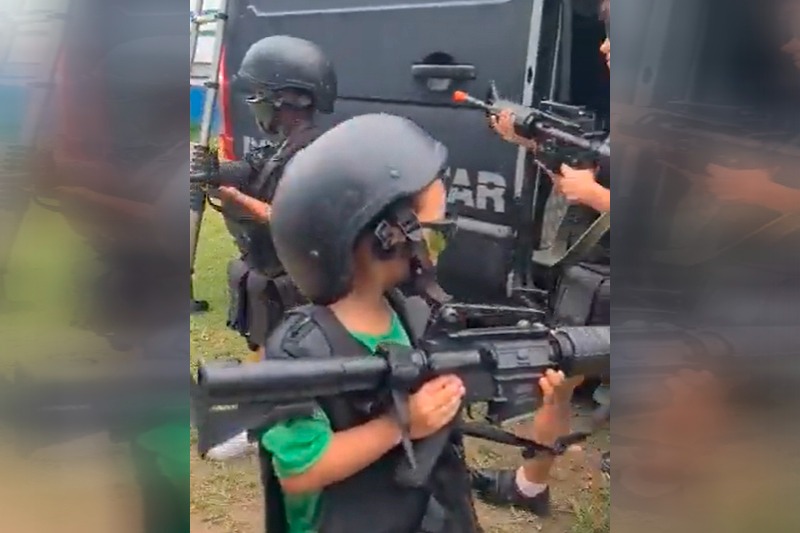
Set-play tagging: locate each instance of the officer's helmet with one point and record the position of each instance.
(283, 70)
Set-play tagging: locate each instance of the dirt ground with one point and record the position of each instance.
(226, 497)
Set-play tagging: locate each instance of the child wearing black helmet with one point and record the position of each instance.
(359, 213)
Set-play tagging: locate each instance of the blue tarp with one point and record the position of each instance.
(197, 93)
(196, 98)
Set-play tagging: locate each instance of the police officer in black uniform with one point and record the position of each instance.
(285, 81)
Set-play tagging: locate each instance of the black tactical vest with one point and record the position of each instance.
(370, 500)
(254, 239)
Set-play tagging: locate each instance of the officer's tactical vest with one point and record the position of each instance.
(370, 500)
(255, 238)
(583, 293)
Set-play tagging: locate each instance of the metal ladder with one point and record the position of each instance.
(32, 79)
(197, 195)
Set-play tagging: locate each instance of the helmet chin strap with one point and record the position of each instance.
(423, 280)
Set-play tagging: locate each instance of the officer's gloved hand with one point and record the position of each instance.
(204, 162)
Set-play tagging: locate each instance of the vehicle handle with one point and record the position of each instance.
(425, 71)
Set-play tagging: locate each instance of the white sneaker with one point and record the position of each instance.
(232, 448)
(602, 395)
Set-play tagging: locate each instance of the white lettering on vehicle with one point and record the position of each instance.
(249, 143)
(485, 192)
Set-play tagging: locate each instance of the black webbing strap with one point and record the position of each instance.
(529, 447)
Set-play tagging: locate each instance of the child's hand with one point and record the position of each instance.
(557, 389)
(434, 405)
(552, 419)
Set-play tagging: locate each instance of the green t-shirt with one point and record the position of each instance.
(298, 444)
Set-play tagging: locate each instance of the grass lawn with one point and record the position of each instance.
(209, 336)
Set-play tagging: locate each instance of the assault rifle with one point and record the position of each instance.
(499, 366)
(564, 134)
(207, 172)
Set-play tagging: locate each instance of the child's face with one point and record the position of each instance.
(430, 205)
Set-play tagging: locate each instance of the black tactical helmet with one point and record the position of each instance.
(284, 62)
(336, 187)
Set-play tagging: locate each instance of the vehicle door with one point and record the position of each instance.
(406, 57)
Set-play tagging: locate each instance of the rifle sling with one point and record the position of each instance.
(530, 448)
(559, 255)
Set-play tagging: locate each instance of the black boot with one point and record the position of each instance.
(499, 487)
